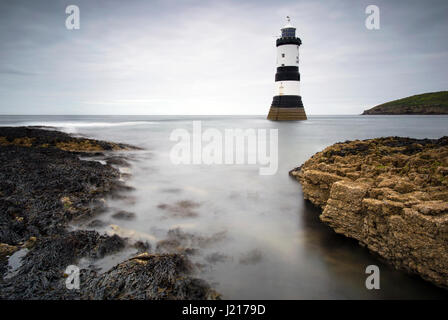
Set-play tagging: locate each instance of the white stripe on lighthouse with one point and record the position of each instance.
(288, 55)
(287, 88)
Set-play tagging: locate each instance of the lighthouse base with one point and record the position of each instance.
(287, 114)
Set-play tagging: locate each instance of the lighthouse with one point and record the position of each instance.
(287, 103)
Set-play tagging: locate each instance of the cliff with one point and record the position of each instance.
(391, 194)
(426, 104)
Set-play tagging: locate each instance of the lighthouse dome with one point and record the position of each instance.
(288, 26)
(288, 30)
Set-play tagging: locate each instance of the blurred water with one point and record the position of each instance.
(256, 236)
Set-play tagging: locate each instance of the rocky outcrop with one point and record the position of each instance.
(390, 194)
(40, 138)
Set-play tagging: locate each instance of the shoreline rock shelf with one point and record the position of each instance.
(390, 194)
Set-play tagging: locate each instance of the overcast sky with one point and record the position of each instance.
(214, 57)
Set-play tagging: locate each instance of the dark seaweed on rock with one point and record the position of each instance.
(42, 272)
(43, 186)
(149, 276)
(42, 189)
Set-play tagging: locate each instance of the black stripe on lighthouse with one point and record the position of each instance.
(288, 40)
(289, 73)
(287, 101)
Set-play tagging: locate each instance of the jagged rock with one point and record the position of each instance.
(391, 194)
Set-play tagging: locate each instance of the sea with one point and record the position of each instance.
(252, 235)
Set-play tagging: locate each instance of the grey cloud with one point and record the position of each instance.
(13, 71)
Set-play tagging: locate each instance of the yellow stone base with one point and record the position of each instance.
(287, 114)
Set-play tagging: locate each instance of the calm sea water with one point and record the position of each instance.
(256, 237)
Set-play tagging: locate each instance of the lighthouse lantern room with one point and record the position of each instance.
(287, 103)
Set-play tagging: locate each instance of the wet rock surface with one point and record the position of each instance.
(251, 257)
(181, 209)
(44, 185)
(123, 215)
(187, 243)
(391, 194)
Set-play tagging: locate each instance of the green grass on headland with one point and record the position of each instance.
(426, 103)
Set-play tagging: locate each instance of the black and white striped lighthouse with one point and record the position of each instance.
(287, 103)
